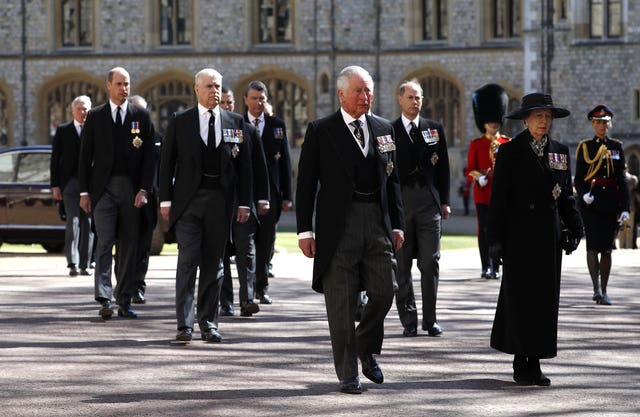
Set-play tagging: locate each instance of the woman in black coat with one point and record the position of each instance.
(532, 199)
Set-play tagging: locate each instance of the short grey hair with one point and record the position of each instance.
(343, 79)
(138, 100)
(82, 99)
(207, 71)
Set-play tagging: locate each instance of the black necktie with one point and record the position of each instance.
(118, 117)
(211, 137)
(414, 133)
(357, 132)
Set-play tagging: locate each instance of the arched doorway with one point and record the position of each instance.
(57, 96)
(167, 94)
(289, 97)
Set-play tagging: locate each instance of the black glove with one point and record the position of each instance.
(569, 241)
(496, 253)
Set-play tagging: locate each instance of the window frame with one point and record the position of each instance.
(258, 19)
(440, 28)
(174, 20)
(78, 20)
(606, 22)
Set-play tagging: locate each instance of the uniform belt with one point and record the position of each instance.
(538, 207)
(605, 182)
(210, 182)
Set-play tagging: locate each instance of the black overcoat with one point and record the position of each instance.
(530, 197)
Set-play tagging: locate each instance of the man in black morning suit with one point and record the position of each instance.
(204, 163)
(273, 134)
(115, 171)
(65, 151)
(423, 167)
(349, 157)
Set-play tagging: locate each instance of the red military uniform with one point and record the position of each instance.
(480, 162)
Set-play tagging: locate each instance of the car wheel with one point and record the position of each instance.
(53, 247)
(157, 240)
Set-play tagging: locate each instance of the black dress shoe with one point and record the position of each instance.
(211, 335)
(105, 311)
(351, 386)
(264, 298)
(184, 335)
(370, 368)
(432, 329)
(249, 308)
(73, 271)
(227, 310)
(486, 274)
(84, 272)
(125, 311)
(410, 331)
(138, 298)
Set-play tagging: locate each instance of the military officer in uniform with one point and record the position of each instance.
(604, 201)
(489, 107)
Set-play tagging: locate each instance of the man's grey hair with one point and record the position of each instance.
(208, 72)
(409, 83)
(138, 100)
(343, 79)
(257, 85)
(82, 99)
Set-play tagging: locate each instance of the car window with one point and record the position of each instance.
(7, 167)
(33, 168)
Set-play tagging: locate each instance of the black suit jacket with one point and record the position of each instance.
(433, 160)
(323, 166)
(181, 163)
(65, 152)
(276, 152)
(260, 185)
(97, 150)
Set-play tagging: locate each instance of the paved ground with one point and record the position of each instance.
(59, 359)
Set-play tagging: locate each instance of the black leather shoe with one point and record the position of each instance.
(432, 329)
(486, 274)
(138, 298)
(125, 311)
(264, 298)
(410, 331)
(370, 368)
(249, 308)
(105, 311)
(73, 271)
(351, 386)
(227, 310)
(605, 300)
(184, 335)
(84, 272)
(211, 335)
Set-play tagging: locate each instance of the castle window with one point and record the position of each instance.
(176, 22)
(76, 23)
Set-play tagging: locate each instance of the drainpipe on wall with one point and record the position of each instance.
(23, 77)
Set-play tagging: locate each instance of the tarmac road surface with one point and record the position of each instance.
(58, 358)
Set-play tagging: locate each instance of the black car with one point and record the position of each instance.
(28, 213)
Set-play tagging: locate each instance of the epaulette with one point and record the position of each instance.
(584, 140)
(506, 137)
(615, 140)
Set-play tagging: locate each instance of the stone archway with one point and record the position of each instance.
(56, 97)
(289, 95)
(166, 94)
(443, 102)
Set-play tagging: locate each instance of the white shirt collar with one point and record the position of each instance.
(348, 119)
(123, 107)
(202, 110)
(252, 118)
(406, 121)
